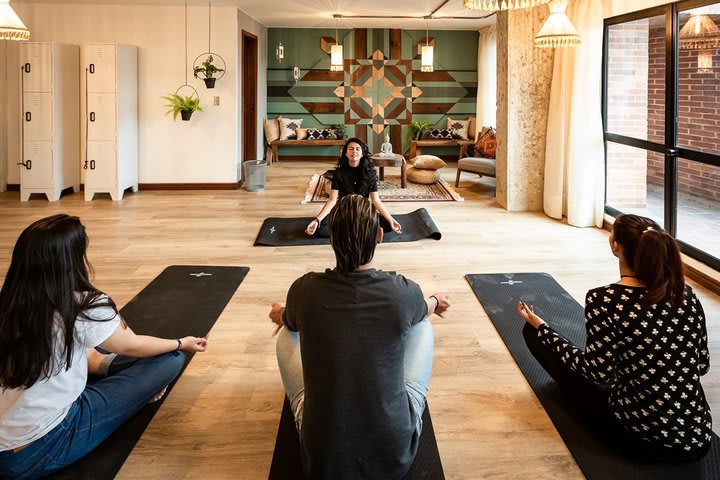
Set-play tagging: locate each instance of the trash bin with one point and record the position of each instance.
(254, 171)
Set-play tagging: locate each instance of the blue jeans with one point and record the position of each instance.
(417, 365)
(101, 408)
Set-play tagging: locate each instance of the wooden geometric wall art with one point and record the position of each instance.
(326, 43)
(425, 41)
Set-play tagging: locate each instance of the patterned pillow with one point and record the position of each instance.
(321, 134)
(486, 145)
(458, 128)
(441, 134)
(288, 127)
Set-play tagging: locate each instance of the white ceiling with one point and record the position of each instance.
(319, 13)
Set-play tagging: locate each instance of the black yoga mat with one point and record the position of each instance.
(286, 463)
(597, 457)
(283, 232)
(182, 300)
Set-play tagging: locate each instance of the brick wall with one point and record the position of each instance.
(698, 116)
(628, 107)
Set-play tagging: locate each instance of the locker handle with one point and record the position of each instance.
(27, 68)
(92, 68)
(92, 164)
(92, 116)
(28, 116)
(85, 166)
(27, 164)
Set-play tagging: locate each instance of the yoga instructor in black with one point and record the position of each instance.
(639, 375)
(355, 173)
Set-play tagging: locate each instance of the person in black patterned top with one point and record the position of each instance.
(646, 350)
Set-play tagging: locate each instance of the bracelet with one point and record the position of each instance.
(437, 302)
(179, 347)
(318, 221)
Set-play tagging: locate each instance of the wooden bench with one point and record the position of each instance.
(274, 146)
(416, 145)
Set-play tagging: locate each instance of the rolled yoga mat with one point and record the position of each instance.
(286, 463)
(182, 300)
(284, 232)
(597, 456)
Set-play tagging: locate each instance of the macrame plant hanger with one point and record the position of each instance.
(209, 66)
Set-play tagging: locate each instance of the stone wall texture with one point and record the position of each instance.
(524, 76)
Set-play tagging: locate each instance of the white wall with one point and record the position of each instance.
(3, 117)
(619, 7)
(204, 150)
(249, 24)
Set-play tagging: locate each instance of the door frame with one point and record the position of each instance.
(249, 97)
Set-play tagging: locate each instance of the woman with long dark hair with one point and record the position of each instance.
(51, 320)
(638, 378)
(355, 173)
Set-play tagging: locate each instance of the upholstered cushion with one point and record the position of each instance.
(301, 133)
(458, 128)
(479, 165)
(472, 128)
(428, 162)
(486, 145)
(288, 127)
(321, 134)
(426, 177)
(441, 134)
(272, 129)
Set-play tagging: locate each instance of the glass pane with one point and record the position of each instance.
(636, 79)
(635, 181)
(699, 79)
(698, 222)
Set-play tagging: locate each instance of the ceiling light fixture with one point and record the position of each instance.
(427, 52)
(11, 27)
(336, 51)
(701, 33)
(558, 30)
(495, 5)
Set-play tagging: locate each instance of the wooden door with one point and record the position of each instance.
(249, 95)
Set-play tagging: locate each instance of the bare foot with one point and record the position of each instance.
(159, 395)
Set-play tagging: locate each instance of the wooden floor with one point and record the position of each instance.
(220, 420)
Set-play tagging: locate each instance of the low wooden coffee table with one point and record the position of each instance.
(395, 161)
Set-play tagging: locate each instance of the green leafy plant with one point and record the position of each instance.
(182, 104)
(340, 128)
(417, 128)
(207, 70)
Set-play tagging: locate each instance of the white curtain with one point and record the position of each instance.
(574, 155)
(3, 116)
(486, 109)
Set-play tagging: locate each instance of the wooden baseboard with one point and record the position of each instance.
(190, 186)
(304, 158)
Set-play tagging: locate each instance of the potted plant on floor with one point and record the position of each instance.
(183, 105)
(208, 72)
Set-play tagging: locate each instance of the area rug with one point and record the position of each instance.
(390, 191)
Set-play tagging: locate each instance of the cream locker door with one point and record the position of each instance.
(101, 167)
(37, 116)
(37, 171)
(36, 67)
(100, 65)
(101, 116)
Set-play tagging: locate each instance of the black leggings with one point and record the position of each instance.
(323, 231)
(591, 402)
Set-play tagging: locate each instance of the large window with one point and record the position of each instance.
(661, 111)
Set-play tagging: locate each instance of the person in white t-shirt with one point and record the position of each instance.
(51, 320)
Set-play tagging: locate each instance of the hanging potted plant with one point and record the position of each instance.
(183, 105)
(208, 72)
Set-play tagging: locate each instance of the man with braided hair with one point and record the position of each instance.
(355, 355)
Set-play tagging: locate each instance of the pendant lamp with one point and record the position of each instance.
(11, 27)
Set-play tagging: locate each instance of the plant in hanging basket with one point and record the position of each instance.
(183, 105)
(208, 71)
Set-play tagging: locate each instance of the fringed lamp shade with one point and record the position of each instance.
(11, 27)
(700, 33)
(336, 58)
(558, 30)
(495, 5)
